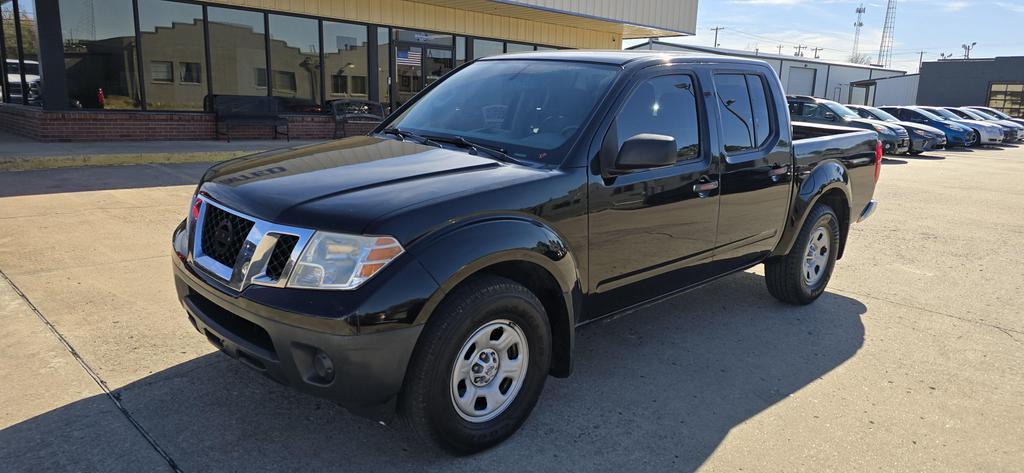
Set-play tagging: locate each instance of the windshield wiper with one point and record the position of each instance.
(406, 135)
(496, 153)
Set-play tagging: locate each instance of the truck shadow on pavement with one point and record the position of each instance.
(658, 389)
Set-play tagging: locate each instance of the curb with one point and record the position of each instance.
(32, 163)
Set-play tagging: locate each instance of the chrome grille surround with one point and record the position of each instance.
(252, 260)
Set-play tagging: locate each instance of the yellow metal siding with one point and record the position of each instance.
(414, 15)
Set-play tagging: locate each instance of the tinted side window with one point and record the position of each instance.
(763, 123)
(737, 117)
(665, 105)
(743, 102)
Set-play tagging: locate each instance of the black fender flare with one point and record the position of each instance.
(455, 254)
(822, 179)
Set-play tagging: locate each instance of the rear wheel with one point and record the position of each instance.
(801, 276)
(480, 366)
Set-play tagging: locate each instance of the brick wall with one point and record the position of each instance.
(146, 126)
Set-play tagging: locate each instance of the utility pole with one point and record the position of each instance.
(816, 51)
(920, 61)
(780, 50)
(716, 30)
(799, 50)
(968, 48)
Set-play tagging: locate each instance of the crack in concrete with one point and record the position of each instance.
(115, 398)
(1008, 331)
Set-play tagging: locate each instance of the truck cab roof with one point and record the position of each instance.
(628, 58)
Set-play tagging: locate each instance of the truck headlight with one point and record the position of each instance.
(337, 261)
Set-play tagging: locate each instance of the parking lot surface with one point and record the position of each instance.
(912, 361)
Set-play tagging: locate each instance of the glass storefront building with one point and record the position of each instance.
(174, 56)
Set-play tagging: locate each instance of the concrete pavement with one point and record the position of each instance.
(912, 361)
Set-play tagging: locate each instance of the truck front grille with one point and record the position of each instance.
(280, 256)
(224, 234)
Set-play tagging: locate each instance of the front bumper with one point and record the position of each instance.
(266, 329)
(922, 144)
(896, 146)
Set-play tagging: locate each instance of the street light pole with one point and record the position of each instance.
(968, 48)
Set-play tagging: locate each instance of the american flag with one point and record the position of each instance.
(411, 57)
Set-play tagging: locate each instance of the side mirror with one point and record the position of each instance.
(830, 116)
(645, 151)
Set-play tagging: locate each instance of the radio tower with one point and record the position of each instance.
(856, 29)
(888, 32)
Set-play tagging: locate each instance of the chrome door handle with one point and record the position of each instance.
(777, 173)
(703, 189)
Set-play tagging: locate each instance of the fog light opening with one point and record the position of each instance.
(324, 366)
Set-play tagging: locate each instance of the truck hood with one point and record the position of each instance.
(344, 185)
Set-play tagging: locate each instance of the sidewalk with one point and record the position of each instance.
(18, 153)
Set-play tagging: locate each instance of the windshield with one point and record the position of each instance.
(840, 110)
(928, 114)
(882, 114)
(530, 109)
(997, 113)
(983, 115)
(944, 113)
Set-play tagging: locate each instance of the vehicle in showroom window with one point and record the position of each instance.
(437, 269)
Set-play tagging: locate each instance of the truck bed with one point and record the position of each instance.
(815, 144)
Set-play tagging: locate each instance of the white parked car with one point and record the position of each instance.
(14, 78)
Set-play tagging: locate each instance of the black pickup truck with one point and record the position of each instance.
(438, 267)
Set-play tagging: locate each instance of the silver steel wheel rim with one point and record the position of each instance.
(489, 370)
(817, 255)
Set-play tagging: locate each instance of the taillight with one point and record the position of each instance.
(878, 159)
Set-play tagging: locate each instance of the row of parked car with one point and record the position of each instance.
(914, 129)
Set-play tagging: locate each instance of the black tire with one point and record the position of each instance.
(977, 140)
(426, 405)
(785, 275)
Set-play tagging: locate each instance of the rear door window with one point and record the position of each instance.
(663, 105)
(745, 112)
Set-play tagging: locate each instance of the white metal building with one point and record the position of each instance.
(800, 75)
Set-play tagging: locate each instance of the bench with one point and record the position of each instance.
(349, 111)
(245, 109)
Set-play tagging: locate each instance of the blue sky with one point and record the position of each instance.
(933, 26)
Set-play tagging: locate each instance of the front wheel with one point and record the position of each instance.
(977, 139)
(801, 276)
(479, 367)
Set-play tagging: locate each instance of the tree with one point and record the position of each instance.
(860, 58)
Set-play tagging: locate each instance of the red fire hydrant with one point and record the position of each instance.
(100, 97)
